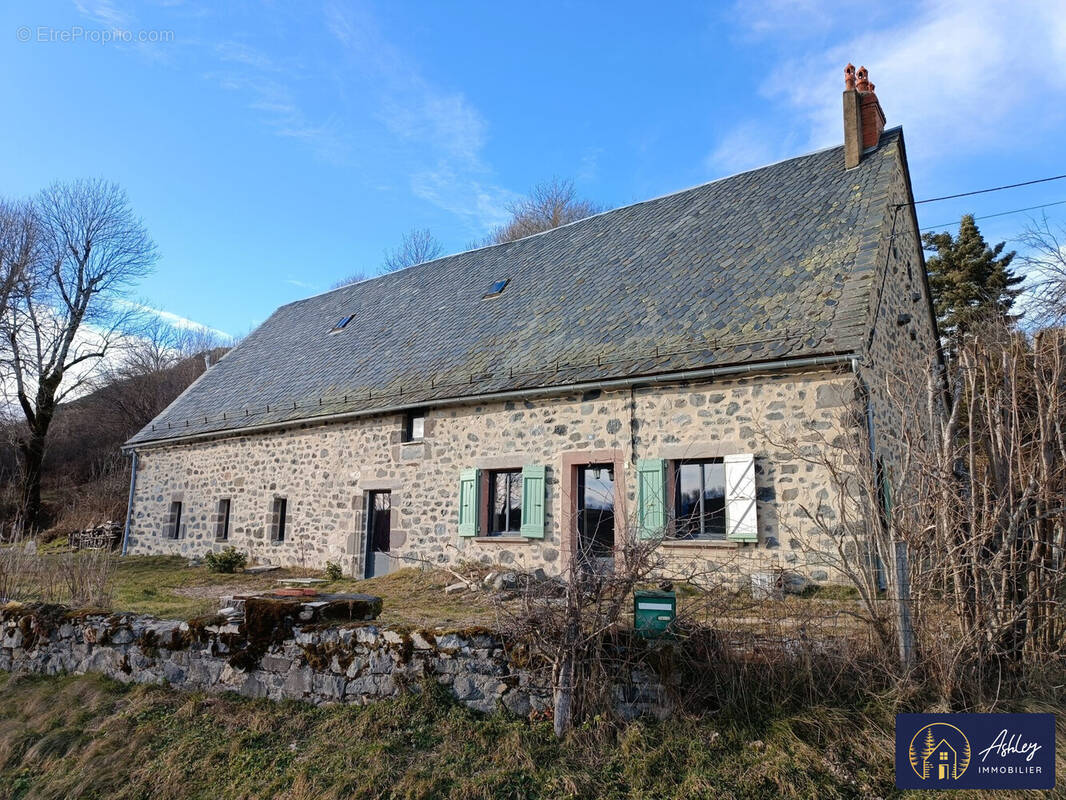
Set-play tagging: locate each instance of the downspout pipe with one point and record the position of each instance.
(899, 554)
(129, 503)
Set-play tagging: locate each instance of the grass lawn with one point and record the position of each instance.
(166, 586)
(87, 737)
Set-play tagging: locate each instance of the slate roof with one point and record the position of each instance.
(769, 264)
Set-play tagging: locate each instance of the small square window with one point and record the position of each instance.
(414, 426)
(342, 323)
(222, 531)
(496, 288)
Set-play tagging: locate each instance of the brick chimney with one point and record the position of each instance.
(863, 118)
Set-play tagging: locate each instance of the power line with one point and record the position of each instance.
(986, 191)
(1000, 214)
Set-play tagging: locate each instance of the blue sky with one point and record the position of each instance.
(274, 148)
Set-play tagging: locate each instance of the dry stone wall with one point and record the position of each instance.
(344, 664)
(326, 471)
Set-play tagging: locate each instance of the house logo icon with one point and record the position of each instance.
(939, 752)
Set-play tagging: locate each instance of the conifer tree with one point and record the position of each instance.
(970, 281)
(927, 750)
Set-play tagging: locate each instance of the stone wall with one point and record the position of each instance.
(326, 471)
(355, 664)
(903, 346)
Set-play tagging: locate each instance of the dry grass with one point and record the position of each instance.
(86, 737)
(166, 586)
(77, 579)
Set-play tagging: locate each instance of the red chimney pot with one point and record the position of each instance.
(864, 119)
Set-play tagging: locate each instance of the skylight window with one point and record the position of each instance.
(342, 322)
(496, 289)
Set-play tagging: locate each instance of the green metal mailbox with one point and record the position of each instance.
(653, 611)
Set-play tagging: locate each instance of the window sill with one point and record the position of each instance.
(700, 544)
(502, 539)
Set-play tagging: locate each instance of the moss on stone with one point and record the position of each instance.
(267, 621)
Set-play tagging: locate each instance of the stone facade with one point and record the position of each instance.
(325, 472)
(355, 664)
(903, 347)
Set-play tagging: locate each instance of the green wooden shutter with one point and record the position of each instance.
(740, 507)
(469, 489)
(651, 498)
(533, 493)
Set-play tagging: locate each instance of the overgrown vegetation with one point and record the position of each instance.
(81, 579)
(82, 737)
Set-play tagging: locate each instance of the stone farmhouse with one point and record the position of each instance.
(529, 403)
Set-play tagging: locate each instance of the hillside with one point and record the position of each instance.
(86, 476)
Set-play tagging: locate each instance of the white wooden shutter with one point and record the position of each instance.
(740, 515)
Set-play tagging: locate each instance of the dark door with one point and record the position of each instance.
(378, 533)
(595, 513)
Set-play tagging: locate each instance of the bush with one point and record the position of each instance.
(333, 571)
(229, 559)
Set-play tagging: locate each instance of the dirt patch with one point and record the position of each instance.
(214, 591)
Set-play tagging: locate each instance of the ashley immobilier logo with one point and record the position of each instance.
(975, 751)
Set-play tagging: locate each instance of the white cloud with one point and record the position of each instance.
(241, 53)
(104, 12)
(959, 76)
(179, 322)
(743, 147)
(447, 132)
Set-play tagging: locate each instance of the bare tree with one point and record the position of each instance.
(975, 497)
(154, 367)
(355, 277)
(987, 515)
(1044, 255)
(62, 320)
(548, 205)
(20, 244)
(416, 247)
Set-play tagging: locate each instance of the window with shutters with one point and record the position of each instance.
(222, 529)
(505, 502)
(699, 493)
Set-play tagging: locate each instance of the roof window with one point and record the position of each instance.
(342, 322)
(496, 289)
